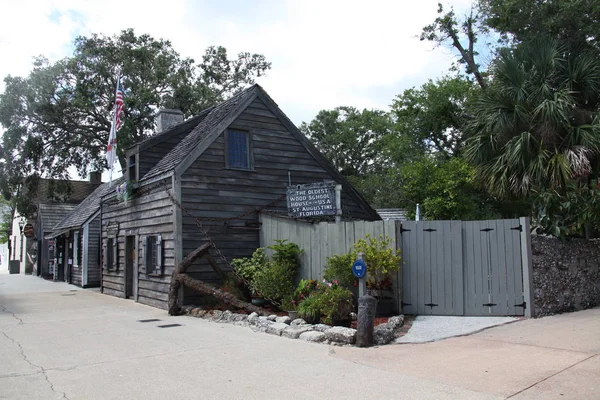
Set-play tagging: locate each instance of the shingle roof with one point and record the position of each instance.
(202, 131)
(79, 191)
(182, 126)
(86, 208)
(392, 214)
(51, 214)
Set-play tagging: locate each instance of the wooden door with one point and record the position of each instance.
(130, 257)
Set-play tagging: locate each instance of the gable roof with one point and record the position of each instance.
(212, 122)
(85, 209)
(51, 214)
(173, 130)
(219, 117)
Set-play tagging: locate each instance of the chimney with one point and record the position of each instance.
(96, 178)
(166, 118)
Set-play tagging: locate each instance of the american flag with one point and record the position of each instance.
(111, 148)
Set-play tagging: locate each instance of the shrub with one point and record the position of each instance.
(323, 301)
(381, 260)
(247, 268)
(276, 281)
(309, 309)
(339, 268)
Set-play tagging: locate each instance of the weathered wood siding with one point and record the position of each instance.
(94, 268)
(149, 157)
(151, 214)
(75, 267)
(209, 190)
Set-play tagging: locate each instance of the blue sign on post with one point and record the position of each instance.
(359, 269)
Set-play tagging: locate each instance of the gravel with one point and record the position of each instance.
(432, 328)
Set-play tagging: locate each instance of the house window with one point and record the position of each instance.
(110, 255)
(153, 255)
(132, 169)
(76, 249)
(238, 149)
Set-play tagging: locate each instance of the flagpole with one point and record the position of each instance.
(113, 130)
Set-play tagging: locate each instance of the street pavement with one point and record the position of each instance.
(58, 342)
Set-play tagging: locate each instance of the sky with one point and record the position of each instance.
(324, 54)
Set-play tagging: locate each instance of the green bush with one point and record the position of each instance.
(309, 309)
(276, 281)
(323, 301)
(339, 268)
(247, 268)
(381, 260)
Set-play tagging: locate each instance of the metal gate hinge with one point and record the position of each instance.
(490, 304)
(486, 229)
(405, 304)
(517, 228)
(523, 304)
(431, 305)
(402, 229)
(429, 230)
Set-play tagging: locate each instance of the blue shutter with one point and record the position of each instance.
(237, 150)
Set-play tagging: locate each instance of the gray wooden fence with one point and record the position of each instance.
(448, 267)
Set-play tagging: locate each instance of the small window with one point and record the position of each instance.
(238, 149)
(76, 249)
(153, 255)
(132, 169)
(111, 254)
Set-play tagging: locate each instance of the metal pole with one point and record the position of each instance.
(338, 203)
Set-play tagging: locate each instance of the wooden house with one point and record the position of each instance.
(52, 200)
(77, 242)
(211, 174)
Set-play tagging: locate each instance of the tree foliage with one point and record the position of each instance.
(352, 140)
(59, 116)
(574, 22)
(538, 124)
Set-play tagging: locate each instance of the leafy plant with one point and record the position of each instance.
(335, 304)
(339, 268)
(275, 281)
(247, 268)
(381, 260)
(310, 309)
(285, 251)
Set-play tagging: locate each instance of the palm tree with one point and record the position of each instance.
(538, 124)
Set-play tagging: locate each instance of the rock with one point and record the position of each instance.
(272, 317)
(294, 332)
(238, 318)
(383, 334)
(252, 318)
(321, 327)
(261, 325)
(201, 313)
(224, 317)
(397, 321)
(298, 321)
(214, 314)
(353, 316)
(283, 320)
(341, 335)
(276, 328)
(313, 336)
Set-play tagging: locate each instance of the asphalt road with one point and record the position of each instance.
(57, 342)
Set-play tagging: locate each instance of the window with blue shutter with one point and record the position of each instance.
(238, 149)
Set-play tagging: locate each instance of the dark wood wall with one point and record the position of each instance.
(93, 250)
(209, 190)
(150, 214)
(76, 266)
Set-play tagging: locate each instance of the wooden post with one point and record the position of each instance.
(527, 263)
(362, 282)
(338, 204)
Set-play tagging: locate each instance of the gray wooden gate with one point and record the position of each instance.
(462, 267)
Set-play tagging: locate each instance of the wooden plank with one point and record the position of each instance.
(423, 272)
(446, 262)
(527, 267)
(510, 250)
(458, 268)
(496, 267)
(502, 277)
(517, 270)
(470, 294)
(437, 268)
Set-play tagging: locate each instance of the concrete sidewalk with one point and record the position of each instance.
(57, 344)
(548, 358)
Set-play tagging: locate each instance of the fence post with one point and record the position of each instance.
(527, 263)
(338, 203)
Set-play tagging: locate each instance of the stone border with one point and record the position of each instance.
(298, 328)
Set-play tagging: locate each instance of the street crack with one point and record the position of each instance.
(41, 369)
(6, 310)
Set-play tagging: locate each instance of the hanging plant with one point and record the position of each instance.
(125, 191)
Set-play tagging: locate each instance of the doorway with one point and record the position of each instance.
(130, 258)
